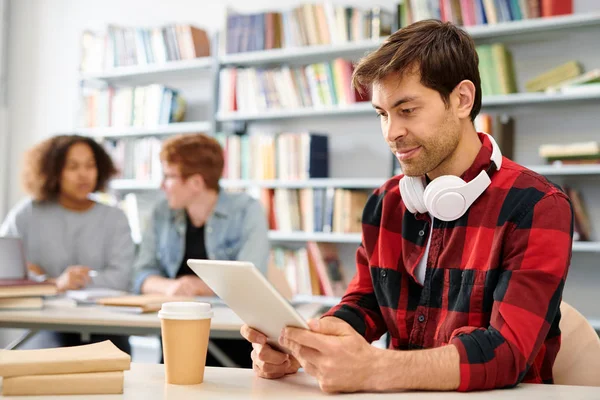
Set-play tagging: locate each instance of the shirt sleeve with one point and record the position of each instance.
(146, 263)
(120, 255)
(359, 306)
(537, 253)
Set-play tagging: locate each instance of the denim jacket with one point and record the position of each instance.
(236, 230)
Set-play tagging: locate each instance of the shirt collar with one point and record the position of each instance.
(482, 160)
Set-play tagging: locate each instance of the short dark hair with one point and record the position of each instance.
(443, 53)
(45, 162)
(195, 154)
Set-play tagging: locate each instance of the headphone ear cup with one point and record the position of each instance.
(411, 189)
(406, 195)
(442, 183)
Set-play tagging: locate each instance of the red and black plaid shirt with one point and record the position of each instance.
(494, 277)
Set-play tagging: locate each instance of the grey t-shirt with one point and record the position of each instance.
(55, 238)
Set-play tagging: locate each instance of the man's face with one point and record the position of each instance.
(420, 129)
(178, 189)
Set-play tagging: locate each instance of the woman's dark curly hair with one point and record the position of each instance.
(44, 164)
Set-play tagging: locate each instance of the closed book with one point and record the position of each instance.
(44, 385)
(146, 303)
(21, 303)
(25, 288)
(96, 357)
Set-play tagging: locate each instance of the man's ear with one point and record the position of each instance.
(197, 182)
(464, 94)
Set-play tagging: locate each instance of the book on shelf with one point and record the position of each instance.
(582, 229)
(496, 70)
(318, 85)
(571, 153)
(555, 76)
(307, 24)
(329, 210)
(140, 107)
(478, 12)
(314, 270)
(582, 82)
(120, 46)
(502, 129)
(136, 158)
(285, 156)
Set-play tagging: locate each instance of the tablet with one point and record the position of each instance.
(250, 295)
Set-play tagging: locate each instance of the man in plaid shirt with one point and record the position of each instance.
(475, 299)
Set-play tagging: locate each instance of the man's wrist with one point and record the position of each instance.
(379, 370)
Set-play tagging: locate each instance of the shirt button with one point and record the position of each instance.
(209, 229)
(383, 273)
(421, 318)
(421, 232)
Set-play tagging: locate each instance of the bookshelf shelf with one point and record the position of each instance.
(152, 70)
(159, 130)
(352, 109)
(563, 170)
(304, 54)
(278, 236)
(347, 183)
(517, 29)
(514, 30)
(133, 184)
(362, 108)
(588, 247)
(522, 99)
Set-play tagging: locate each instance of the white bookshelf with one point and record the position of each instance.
(346, 183)
(566, 170)
(151, 71)
(133, 184)
(514, 30)
(299, 54)
(298, 236)
(364, 108)
(351, 109)
(280, 236)
(158, 130)
(588, 247)
(519, 30)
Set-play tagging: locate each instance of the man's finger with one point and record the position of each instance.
(308, 338)
(252, 335)
(268, 354)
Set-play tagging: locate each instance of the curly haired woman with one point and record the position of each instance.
(65, 233)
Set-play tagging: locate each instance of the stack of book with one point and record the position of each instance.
(571, 153)
(88, 369)
(23, 294)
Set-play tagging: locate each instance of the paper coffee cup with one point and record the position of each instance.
(185, 328)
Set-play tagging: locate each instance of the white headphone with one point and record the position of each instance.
(448, 197)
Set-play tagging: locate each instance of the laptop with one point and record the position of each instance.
(13, 264)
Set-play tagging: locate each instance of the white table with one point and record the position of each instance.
(146, 382)
(95, 319)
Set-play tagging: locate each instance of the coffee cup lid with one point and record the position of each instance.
(188, 310)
